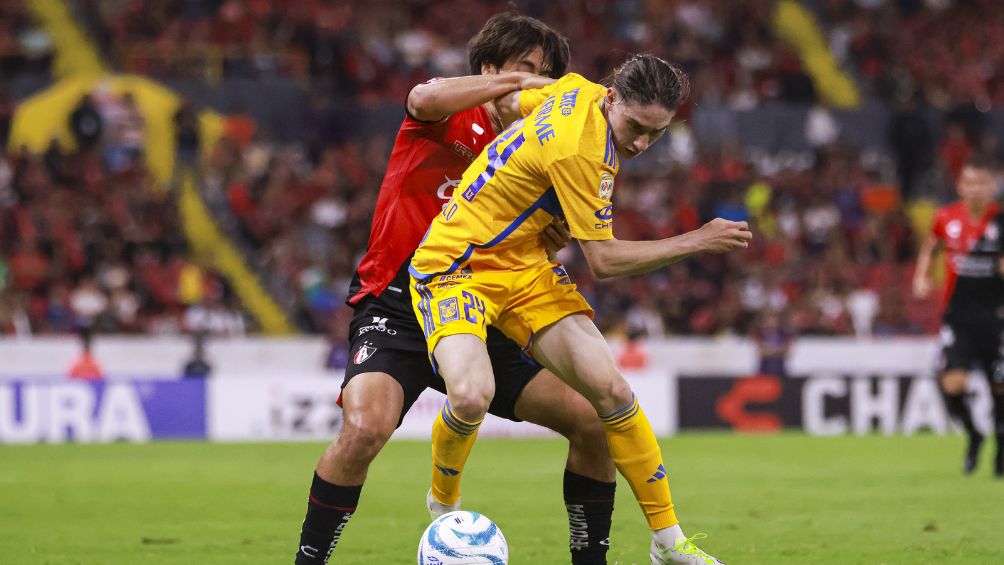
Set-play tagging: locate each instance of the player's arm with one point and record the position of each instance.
(618, 258)
(432, 101)
(922, 273)
(578, 183)
(520, 103)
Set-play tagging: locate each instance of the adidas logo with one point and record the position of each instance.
(660, 474)
(447, 471)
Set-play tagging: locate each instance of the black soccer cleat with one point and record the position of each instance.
(972, 454)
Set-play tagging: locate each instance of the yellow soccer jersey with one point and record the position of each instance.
(557, 161)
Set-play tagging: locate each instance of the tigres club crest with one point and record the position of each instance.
(448, 310)
(363, 353)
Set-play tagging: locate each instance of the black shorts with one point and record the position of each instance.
(386, 340)
(973, 342)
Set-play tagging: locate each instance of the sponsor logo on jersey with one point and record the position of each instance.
(448, 310)
(604, 214)
(463, 151)
(992, 232)
(377, 325)
(562, 275)
(363, 353)
(606, 186)
(466, 273)
(953, 229)
(445, 190)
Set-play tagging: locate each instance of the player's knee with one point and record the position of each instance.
(613, 395)
(470, 405)
(953, 382)
(362, 439)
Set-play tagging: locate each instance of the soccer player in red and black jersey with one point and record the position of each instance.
(448, 123)
(970, 230)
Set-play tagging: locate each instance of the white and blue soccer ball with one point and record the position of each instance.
(463, 538)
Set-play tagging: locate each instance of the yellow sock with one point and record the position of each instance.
(452, 440)
(638, 458)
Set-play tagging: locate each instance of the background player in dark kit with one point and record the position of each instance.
(970, 231)
(449, 122)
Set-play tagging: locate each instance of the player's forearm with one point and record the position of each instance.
(616, 258)
(434, 101)
(923, 267)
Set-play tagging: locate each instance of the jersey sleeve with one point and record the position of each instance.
(530, 99)
(938, 224)
(579, 183)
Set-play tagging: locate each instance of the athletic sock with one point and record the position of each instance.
(959, 409)
(637, 456)
(590, 504)
(999, 433)
(328, 510)
(452, 440)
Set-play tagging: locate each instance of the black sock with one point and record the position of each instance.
(328, 510)
(999, 421)
(959, 409)
(590, 504)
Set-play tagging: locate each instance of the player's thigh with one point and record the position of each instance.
(463, 363)
(514, 371)
(957, 357)
(549, 402)
(380, 389)
(574, 349)
(526, 391)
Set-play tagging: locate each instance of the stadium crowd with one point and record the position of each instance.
(834, 244)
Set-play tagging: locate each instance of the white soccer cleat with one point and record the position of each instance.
(684, 553)
(436, 508)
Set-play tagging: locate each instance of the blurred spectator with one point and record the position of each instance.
(85, 123)
(910, 139)
(85, 239)
(197, 367)
(773, 340)
(86, 368)
(186, 134)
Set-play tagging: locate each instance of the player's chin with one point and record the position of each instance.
(627, 153)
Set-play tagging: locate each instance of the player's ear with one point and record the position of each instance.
(489, 69)
(612, 96)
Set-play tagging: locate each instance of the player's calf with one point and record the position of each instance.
(338, 479)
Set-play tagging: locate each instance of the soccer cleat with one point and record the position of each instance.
(972, 454)
(999, 463)
(436, 508)
(684, 553)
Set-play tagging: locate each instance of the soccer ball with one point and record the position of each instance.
(463, 538)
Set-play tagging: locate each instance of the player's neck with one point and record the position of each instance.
(493, 115)
(975, 208)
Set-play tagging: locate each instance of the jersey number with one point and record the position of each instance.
(496, 160)
(474, 303)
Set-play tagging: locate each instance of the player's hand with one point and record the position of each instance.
(721, 235)
(921, 286)
(529, 81)
(556, 236)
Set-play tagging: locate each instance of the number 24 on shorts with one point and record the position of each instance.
(472, 305)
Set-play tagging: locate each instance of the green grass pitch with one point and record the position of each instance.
(762, 500)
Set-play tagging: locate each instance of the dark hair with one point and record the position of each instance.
(508, 35)
(982, 161)
(646, 79)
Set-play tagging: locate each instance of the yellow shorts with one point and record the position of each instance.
(519, 303)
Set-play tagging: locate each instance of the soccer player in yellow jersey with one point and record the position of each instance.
(482, 263)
